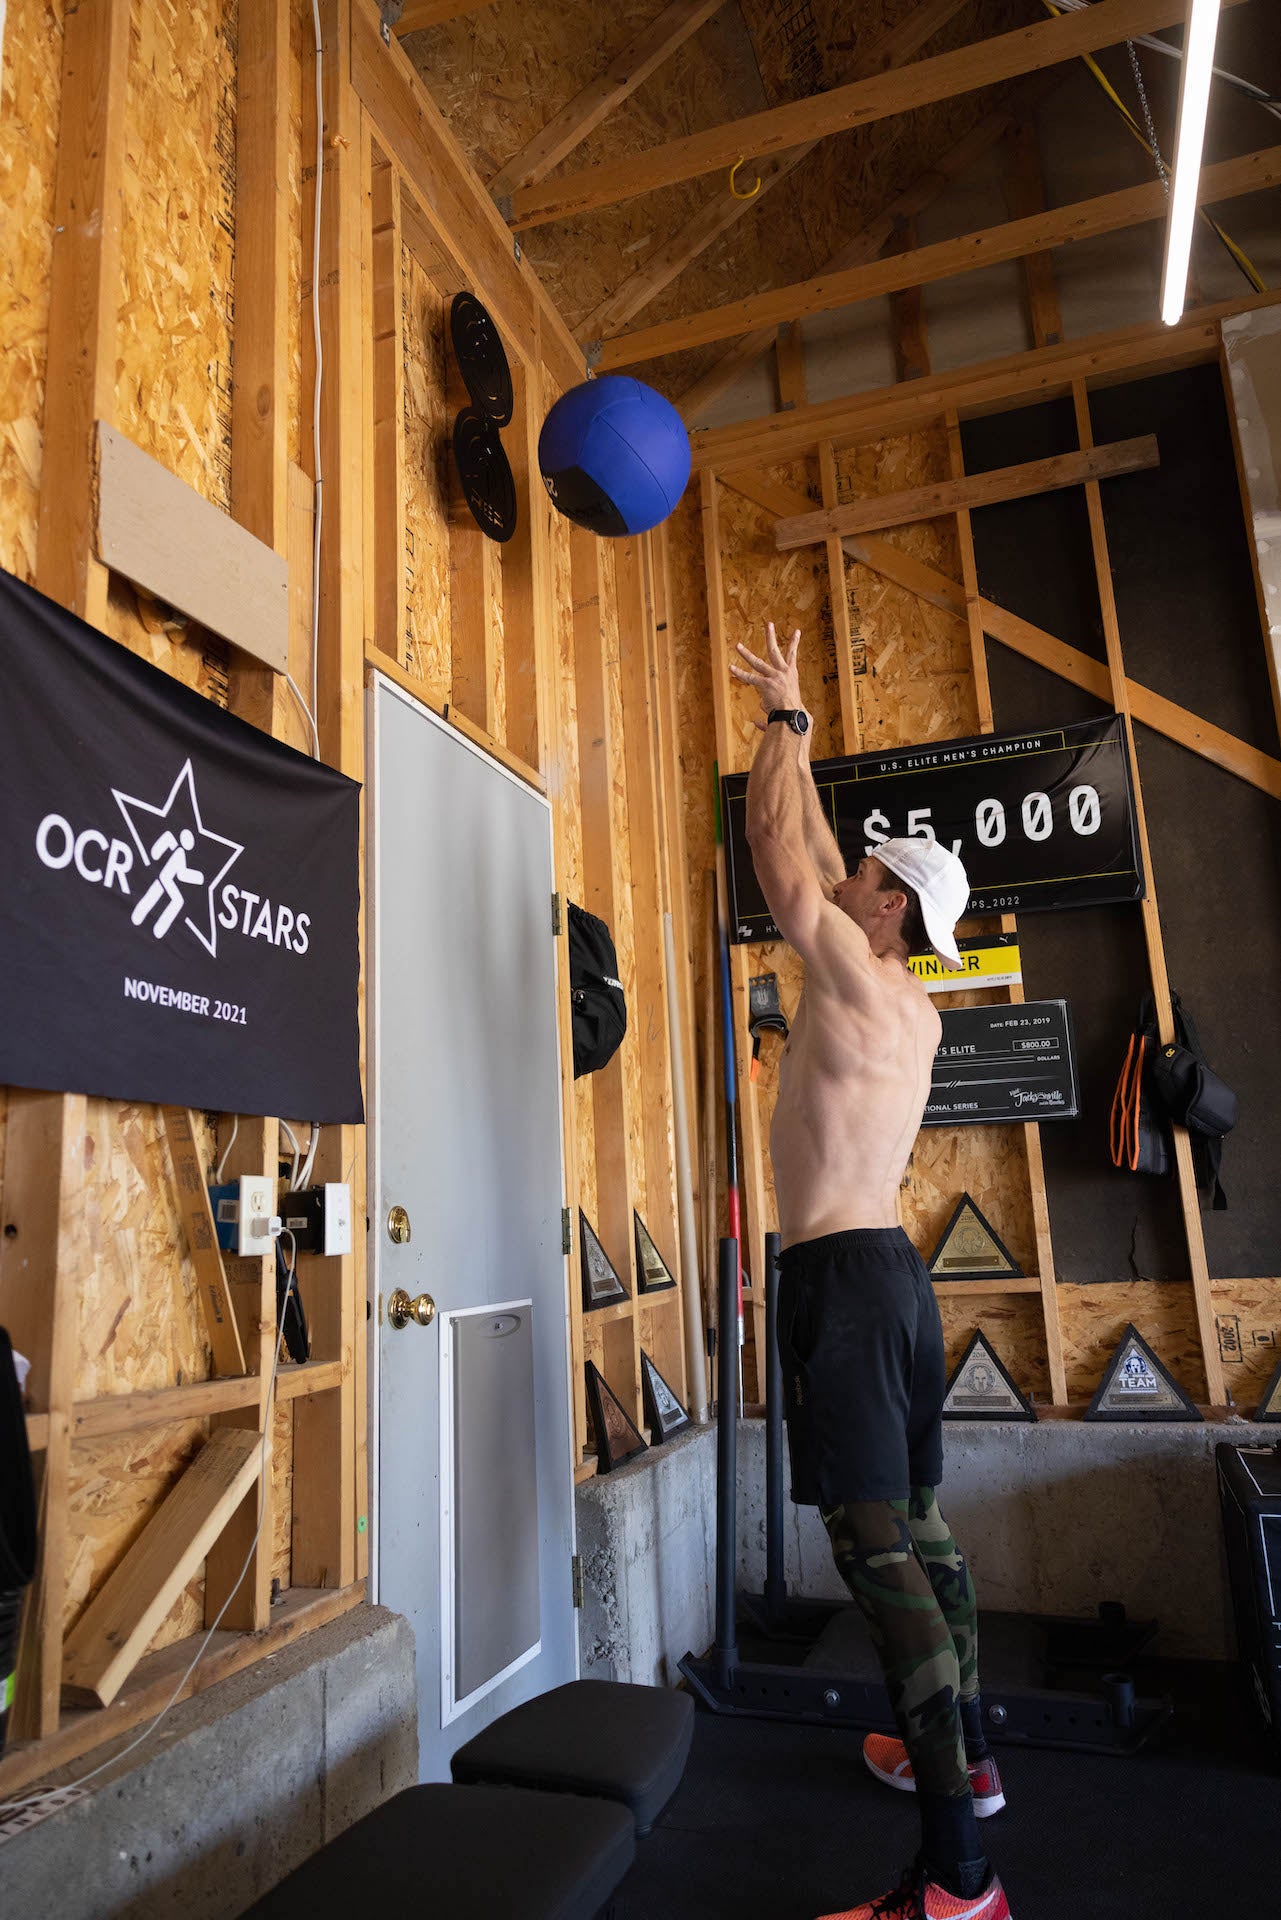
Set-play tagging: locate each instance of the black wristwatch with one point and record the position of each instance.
(794, 717)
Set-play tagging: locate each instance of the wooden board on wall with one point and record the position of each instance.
(167, 539)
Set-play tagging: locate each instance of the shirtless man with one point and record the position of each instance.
(858, 1323)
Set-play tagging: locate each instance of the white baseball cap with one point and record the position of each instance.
(940, 884)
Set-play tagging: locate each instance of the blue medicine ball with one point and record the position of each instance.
(614, 455)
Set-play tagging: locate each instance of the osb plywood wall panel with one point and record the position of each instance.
(117, 1482)
(1012, 1325)
(915, 680)
(426, 642)
(990, 1165)
(139, 1323)
(173, 382)
(1248, 1326)
(1094, 1318)
(29, 95)
(177, 266)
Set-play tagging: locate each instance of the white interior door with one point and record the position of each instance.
(470, 1428)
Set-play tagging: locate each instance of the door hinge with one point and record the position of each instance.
(556, 915)
(576, 1576)
(566, 1230)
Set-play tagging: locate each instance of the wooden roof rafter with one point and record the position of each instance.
(923, 83)
(1012, 240)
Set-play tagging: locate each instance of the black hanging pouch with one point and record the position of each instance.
(1193, 1096)
(596, 992)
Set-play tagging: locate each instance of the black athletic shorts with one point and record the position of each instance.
(861, 1346)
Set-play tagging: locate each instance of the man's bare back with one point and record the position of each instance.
(852, 1087)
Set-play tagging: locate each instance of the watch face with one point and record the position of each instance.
(802, 723)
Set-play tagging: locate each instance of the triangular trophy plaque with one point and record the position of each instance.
(981, 1389)
(1135, 1386)
(652, 1272)
(615, 1435)
(1270, 1405)
(970, 1248)
(664, 1413)
(601, 1283)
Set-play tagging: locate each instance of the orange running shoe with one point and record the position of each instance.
(917, 1898)
(887, 1759)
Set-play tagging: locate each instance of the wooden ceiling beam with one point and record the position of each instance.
(864, 246)
(904, 508)
(990, 386)
(984, 63)
(644, 53)
(720, 214)
(1081, 220)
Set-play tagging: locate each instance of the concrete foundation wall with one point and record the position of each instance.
(646, 1536)
(235, 1788)
(1054, 1518)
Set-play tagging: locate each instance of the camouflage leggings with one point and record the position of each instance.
(909, 1577)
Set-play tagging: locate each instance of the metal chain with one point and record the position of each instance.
(1147, 115)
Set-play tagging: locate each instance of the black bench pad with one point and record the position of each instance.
(465, 1853)
(604, 1737)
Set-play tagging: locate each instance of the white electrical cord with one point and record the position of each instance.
(1267, 101)
(10, 1808)
(304, 1178)
(231, 1141)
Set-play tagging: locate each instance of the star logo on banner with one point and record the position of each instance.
(184, 853)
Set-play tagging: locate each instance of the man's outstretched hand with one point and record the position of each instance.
(775, 678)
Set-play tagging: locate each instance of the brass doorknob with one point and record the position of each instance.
(398, 1227)
(401, 1309)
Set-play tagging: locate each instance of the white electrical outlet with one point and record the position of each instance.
(337, 1217)
(257, 1206)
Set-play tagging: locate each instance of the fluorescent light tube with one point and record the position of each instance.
(1194, 99)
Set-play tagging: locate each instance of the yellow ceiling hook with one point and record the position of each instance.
(752, 191)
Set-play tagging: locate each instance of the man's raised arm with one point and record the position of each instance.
(819, 838)
(784, 814)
